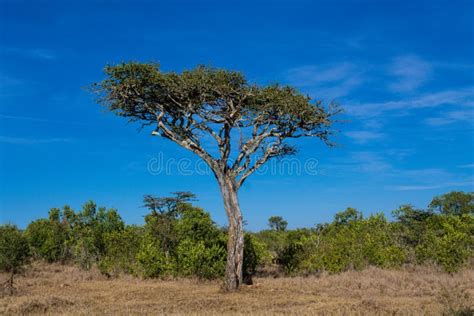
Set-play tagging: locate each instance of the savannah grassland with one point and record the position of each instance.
(59, 289)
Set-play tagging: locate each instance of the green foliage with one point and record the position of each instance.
(411, 223)
(121, 250)
(454, 203)
(139, 91)
(88, 230)
(152, 261)
(254, 254)
(277, 223)
(293, 253)
(350, 242)
(179, 239)
(14, 249)
(196, 259)
(347, 216)
(48, 237)
(447, 241)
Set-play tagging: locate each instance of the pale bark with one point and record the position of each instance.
(235, 243)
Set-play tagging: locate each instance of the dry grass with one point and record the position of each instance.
(55, 289)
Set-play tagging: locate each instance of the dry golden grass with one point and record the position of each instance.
(56, 289)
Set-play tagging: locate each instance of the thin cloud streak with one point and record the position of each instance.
(31, 141)
(363, 137)
(332, 80)
(431, 187)
(461, 97)
(410, 72)
(452, 117)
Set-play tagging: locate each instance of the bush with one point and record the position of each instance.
(254, 255)
(152, 261)
(14, 252)
(179, 239)
(121, 249)
(88, 229)
(447, 241)
(273, 243)
(349, 244)
(196, 259)
(48, 239)
(293, 253)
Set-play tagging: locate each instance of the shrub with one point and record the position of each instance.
(255, 254)
(152, 261)
(196, 259)
(411, 223)
(293, 253)
(88, 229)
(14, 252)
(454, 203)
(447, 241)
(121, 249)
(353, 244)
(273, 243)
(48, 239)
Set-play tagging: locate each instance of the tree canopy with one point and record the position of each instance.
(206, 102)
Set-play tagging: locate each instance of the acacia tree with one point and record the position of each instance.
(277, 223)
(248, 124)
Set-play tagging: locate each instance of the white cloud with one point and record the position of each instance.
(461, 97)
(452, 117)
(369, 162)
(328, 81)
(410, 73)
(363, 137)
(431, 187)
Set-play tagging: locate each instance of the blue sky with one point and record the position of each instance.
(403, 71)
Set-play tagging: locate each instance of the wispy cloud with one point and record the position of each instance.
(31, 141)
(363, 137)
(468, 166)
(431, 187)
(368, 162)
(452, 117)
(333, 80)
(410, 73)
(462, 97)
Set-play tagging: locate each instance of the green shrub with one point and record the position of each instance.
(195, 223)
(196, 259)
(121, 249)
(411, 224)
(152, 261)
(447, 241)
(179, 239)
(273, 243)
(14, 252)
(88, 229)
(353, 244)
(293, 253)
(14, 249)
(48, 239)
(255, 254)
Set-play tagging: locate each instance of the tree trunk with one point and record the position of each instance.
(235, 243)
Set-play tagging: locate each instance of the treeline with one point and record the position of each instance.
(181, 240)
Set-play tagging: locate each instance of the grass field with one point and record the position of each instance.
(56, 289)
